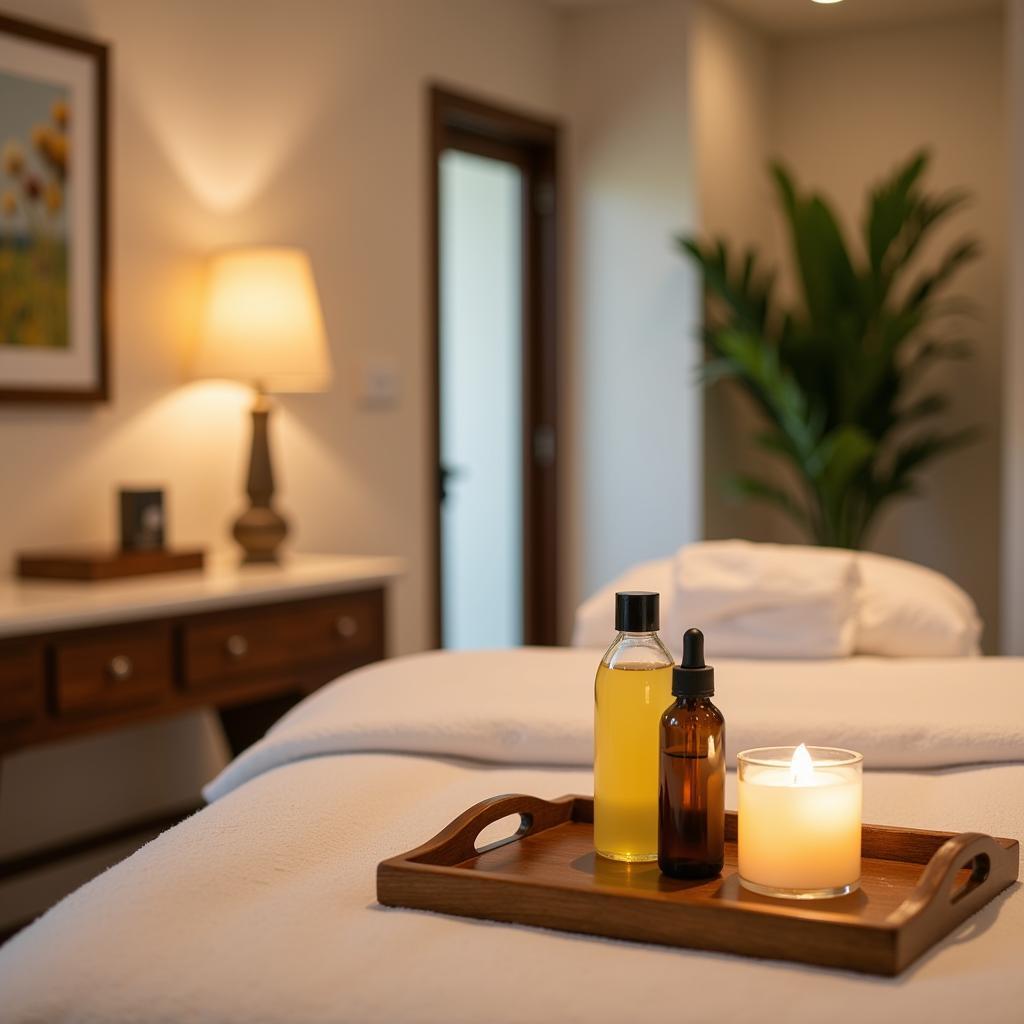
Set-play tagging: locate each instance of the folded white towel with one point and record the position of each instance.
(794, 601)
(766, 600)
(751, 600)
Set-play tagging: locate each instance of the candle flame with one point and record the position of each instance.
(801, 768)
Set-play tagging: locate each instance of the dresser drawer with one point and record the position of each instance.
(341, 627)
(21, 682)
(113, 669)
(244, 643)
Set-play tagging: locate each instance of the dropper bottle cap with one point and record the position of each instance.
(693, 678)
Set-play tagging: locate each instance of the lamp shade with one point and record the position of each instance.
(260, 321)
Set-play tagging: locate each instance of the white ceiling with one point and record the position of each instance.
(781, 17)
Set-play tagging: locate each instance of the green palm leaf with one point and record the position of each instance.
(836, 377)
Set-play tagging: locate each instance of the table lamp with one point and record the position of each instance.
(260, 323)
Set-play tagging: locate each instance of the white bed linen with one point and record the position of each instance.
(261, 908)
(535, 706)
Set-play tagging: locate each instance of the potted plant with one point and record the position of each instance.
(838, 376)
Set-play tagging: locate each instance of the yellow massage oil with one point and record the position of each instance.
(632, 691)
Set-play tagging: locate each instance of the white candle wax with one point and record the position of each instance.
(799, 824)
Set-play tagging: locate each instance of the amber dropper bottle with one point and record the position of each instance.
(691, 806)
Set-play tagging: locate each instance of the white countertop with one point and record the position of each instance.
(43, 606)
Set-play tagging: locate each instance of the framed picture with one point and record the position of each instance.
(142, 520)
(53, 215)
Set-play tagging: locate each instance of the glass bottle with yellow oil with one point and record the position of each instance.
(632, 691)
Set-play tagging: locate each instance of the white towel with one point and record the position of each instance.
(794, 601)
(534, 706)
(766, 600)
(262, 908)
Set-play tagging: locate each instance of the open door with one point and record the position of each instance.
(493, 254)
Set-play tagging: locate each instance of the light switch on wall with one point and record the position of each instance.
(378, 381)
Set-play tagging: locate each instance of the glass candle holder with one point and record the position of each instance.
(799, 821)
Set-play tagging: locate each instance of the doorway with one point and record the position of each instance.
(494, 205)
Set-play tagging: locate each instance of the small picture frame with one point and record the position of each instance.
(142, 519)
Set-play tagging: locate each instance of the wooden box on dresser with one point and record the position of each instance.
(78, 658)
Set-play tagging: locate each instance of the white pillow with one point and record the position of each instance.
(908, 611)
(794, 601)
(595, 618)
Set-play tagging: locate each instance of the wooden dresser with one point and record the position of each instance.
(248, 641)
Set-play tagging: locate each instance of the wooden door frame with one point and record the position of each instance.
(473, 125)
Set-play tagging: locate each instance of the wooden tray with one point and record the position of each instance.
(916, 887)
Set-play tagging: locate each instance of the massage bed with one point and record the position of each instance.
(261, 907)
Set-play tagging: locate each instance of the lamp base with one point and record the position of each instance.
(260, 532)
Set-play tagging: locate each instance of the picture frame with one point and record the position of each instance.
(54, 293)
(142, 519)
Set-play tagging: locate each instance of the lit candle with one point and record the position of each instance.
(799, 821)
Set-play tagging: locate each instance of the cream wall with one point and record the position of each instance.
(1013, 376)
(299, 122)
(848, 108)
(732, 78)
(841, 109)
(634, 479)
(302, 122)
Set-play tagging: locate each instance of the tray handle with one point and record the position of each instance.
(939, 898)
(457, 841)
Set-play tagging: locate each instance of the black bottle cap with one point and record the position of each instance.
(636, 611)
(693, 678)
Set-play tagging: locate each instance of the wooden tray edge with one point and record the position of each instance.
(933, 909)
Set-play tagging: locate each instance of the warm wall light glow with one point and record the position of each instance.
(260, 321)
(226, 145)
(828, 1)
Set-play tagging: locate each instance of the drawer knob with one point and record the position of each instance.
(346, 627)
(121, 668)
(237, 646)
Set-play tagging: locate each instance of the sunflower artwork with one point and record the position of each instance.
(36, 161)
(54, 294)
